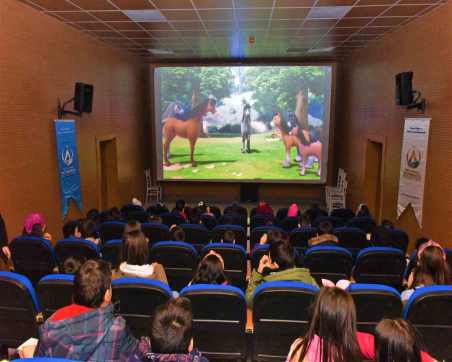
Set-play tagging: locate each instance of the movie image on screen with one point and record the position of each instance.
(242, 123)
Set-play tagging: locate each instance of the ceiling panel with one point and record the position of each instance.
(222, 28)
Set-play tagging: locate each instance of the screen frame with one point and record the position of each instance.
(156, 127)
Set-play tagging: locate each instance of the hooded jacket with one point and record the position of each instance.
(292, 274)
(96, 335)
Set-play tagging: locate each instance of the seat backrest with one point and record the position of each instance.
(73, 247)
(110, 230)
(179, 260)
(289, 223)
(169, 219)
(260, 220)
(380, 265)
(352, 238)
(257, 233)
(373, 303)
(235, 259)
(400, 239)
(366, 224)
(239, 231)
(219, 319)
(299, 237)
(111, 252)
(329, 262)
(136, 299)
(429, 309)
(18, 308)
(196, 234)
(280, 315)
(236, 209)
(156, 232)
(33, 257)
(234, 219)
(55, 291)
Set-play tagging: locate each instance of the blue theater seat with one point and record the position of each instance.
(329, 262)
(156, 232)
(33, 257)
(380, 265)
(196, 234)
(111, 252)
(219, 319)
(73, 247)
(235, 259)
(280, 315)
(299, 237)
(136, 298)
(352, 238)
(110, 230)
(257, 232)
(373, 303)
(179, 260)
(18, 309)
(55, 291)
(240, 233)
(429, 309)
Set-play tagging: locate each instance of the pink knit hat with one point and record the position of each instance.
(293, 210)
(33, 219)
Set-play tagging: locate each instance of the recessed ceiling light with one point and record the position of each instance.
(328, 12)
(145, 15)
(321, 50)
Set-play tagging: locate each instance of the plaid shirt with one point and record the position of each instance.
(93, 336)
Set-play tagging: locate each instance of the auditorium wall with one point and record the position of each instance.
(366, 110)
(40, 60)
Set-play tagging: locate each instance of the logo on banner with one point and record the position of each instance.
(413, 157)
(67, 156)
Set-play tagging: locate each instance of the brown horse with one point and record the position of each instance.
(190, 129)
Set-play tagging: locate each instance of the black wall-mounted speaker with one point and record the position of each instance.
(249, 192)
(404, 88)
(83, 97)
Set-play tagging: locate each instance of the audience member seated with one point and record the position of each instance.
(293, 210)
(325, 235)
(271, 236)
(278, 265)
(135, 256)
(305, 221)
(88, 330)
(363, 211)
(35, 225)
(332, 333)
(87, 229)
(73, 264)
(382, 234)
(94, 215)
(263, 208)
(69, 229)
(229, 237)
(179, 209)
(413, 258)
(5, 253)
(431, 269)
(210, 270)
(177, 233)
(172, 334)
(396, 340)
(314, 212)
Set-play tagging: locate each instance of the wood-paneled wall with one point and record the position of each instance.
(40, 60)
(366, 109)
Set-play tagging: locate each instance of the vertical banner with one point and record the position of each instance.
(66, 144)
(413, 165)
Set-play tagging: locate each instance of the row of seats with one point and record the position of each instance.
(197, 234)
(219, 312)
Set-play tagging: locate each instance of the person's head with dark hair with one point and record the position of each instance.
(92, 284)
(156, 219)
(363, 211)
(332, 328)
(73, 264)
(326, 227)
(135, 249)
(229, 236)
(387, 224)
(178, 233)
(281, 255)
(421, 241)
(273, 236)
(171, 328)
(180, 205)
(432, 267)
(69, 228)
(396, 341)
(305, 220)
(86, 229)
(210, 270)
(93, 214)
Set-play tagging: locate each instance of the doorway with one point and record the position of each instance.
(107, 169)
(373, 177)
